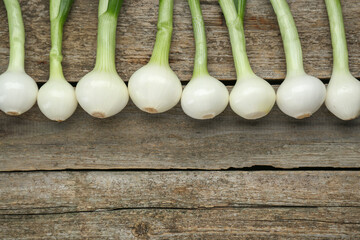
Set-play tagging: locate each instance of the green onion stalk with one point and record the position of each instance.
(252, 97)
(155, 88)
(204, 97)
(343, 91)
(18, 91)
(102, 93)
(56, 98)
(300, 95)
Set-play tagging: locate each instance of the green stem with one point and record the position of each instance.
(161, 50)
(235, 26)
(59, 10)
(200, 62)
(290, 37)
(16, 35)
(106, 38)
(338, 38)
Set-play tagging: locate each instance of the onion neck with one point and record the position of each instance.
(56, 71)
(59, 10)
(16, 36)
(338, 38)
(235, 26)
(106, 38)
(290, 37)
(161, 50)
(200, 61)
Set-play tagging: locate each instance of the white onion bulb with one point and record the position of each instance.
(18, 92)
(343, 96)
(102, 94)
(252, 97)
(204, 97)
(301, 95)
(57, 100)
(155, 88)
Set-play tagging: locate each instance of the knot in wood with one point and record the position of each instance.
(141, 230)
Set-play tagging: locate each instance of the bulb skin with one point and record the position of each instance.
(18, 92)
(102, 94)
(300, 96)
(252, 97)
(155, 88)
(204, 97)
(343, 96)
(56, 100)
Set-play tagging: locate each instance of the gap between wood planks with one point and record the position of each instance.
(273, 82)
(231, 169)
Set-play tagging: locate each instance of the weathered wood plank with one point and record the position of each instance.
(136, 35)
(61, 192)
(133, 140)
(179, 205)
(241, 223)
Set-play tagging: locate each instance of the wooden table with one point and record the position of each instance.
(141, 176)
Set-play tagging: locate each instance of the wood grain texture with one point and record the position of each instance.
(136, 35)
(215, 224)
(136, 140)
(178, 205)
(63, 191)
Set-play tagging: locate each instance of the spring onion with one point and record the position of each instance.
(343, 92)
(204, 97)
(102, 93)
(18, 90)
(252, 97)
(56, 98)
(155, 88)
(300, 95)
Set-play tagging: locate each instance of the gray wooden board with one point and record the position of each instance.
(238, 223)
(172, 140)
(136, 35)
(64, 191)
(180, 205)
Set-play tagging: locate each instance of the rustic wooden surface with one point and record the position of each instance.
(133, 140)
(73, 191)
(277, 223)
(140, 176)
(242, 223)
(136, 35)
(178, 205)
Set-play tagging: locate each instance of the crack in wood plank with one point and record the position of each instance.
(176, 209)
(196, 209)
(255, 168)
